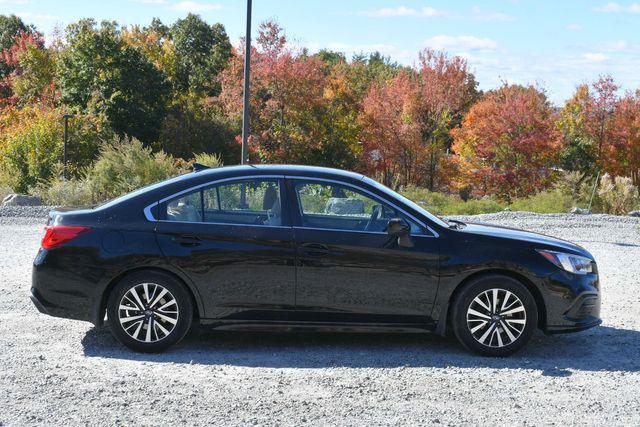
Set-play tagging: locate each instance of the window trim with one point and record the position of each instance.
(149, 216)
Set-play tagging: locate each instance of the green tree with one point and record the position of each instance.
(204, 51)
(99, 72)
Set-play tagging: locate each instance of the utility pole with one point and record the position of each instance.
(245, 102)
(64, 146)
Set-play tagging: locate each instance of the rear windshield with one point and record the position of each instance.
(137, 192)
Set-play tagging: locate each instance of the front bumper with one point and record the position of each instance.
(573, 303)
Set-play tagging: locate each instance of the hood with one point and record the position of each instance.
(524, 236)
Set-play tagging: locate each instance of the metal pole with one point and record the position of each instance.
(64, 146)
(245, 102)
(593, 192)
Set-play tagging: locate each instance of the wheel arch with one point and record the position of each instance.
(444, 320)
(101, 308)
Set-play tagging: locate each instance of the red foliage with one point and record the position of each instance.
(507, 143)
(406, 120)
(286, 89)
(623, 154)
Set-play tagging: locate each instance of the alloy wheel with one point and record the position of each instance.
(148, 312)
(496, 317)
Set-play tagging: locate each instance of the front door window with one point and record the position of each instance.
(340, 207)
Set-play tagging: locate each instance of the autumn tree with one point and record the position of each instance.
(11, 27)
(586, 123)
(407, 120)
(623, 153)
(392, 140)
(99, 72)
(507, 143)
(34, 66)
(293, 119)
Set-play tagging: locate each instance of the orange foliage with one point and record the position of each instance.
(507, 143)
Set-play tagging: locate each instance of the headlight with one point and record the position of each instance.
(572, 263)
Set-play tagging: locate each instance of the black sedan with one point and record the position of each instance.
(304, 248)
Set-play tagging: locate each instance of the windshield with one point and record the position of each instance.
(406, 201)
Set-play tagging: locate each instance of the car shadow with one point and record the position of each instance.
(599, 349)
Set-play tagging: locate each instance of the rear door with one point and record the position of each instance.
(232, 239)
(349, 268)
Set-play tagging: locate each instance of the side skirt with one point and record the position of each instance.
(280, 326)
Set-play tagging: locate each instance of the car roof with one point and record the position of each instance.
(300, 170)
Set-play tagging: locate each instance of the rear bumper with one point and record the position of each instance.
(35, 299)
(60, 291)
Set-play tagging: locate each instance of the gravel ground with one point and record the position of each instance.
(63, 372)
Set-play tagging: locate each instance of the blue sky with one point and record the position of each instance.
(555, 44)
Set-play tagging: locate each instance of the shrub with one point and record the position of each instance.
(73, 192)
(31, 144)
(125, 165)
(618, 195)
(443, 204)
(211, 160)
(5, 190)
(549, 201)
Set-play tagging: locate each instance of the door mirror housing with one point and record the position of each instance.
(398, 227)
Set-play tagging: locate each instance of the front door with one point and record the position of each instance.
(349, 268)
(233, 241)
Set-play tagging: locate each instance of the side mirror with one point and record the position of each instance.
(398, 227)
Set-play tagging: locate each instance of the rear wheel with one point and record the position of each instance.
(149, 311)
(494, 315)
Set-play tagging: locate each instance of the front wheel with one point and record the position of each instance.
(149, 311)
(494, 315)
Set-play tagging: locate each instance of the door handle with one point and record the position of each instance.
(188, 240)
(315, 249)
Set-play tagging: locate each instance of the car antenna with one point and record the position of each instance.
(197, 167)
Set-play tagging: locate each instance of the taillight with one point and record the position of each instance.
(59, 234)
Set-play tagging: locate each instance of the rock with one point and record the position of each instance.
(580, 211)
(506, 210)
(21, 200)
(635, 214)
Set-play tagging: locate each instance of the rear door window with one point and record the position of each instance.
(255, 201)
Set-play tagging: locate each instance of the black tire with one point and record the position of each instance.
(159, 341)
(502, 324)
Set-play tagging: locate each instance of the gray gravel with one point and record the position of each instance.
(63, 372)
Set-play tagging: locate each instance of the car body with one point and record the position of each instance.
(298, 247)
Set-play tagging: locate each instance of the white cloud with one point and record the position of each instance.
(427, 11)
(479, 15)
(461, 43)
(574, 27)
(614, 7)
(594, 57)
(192, 6)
